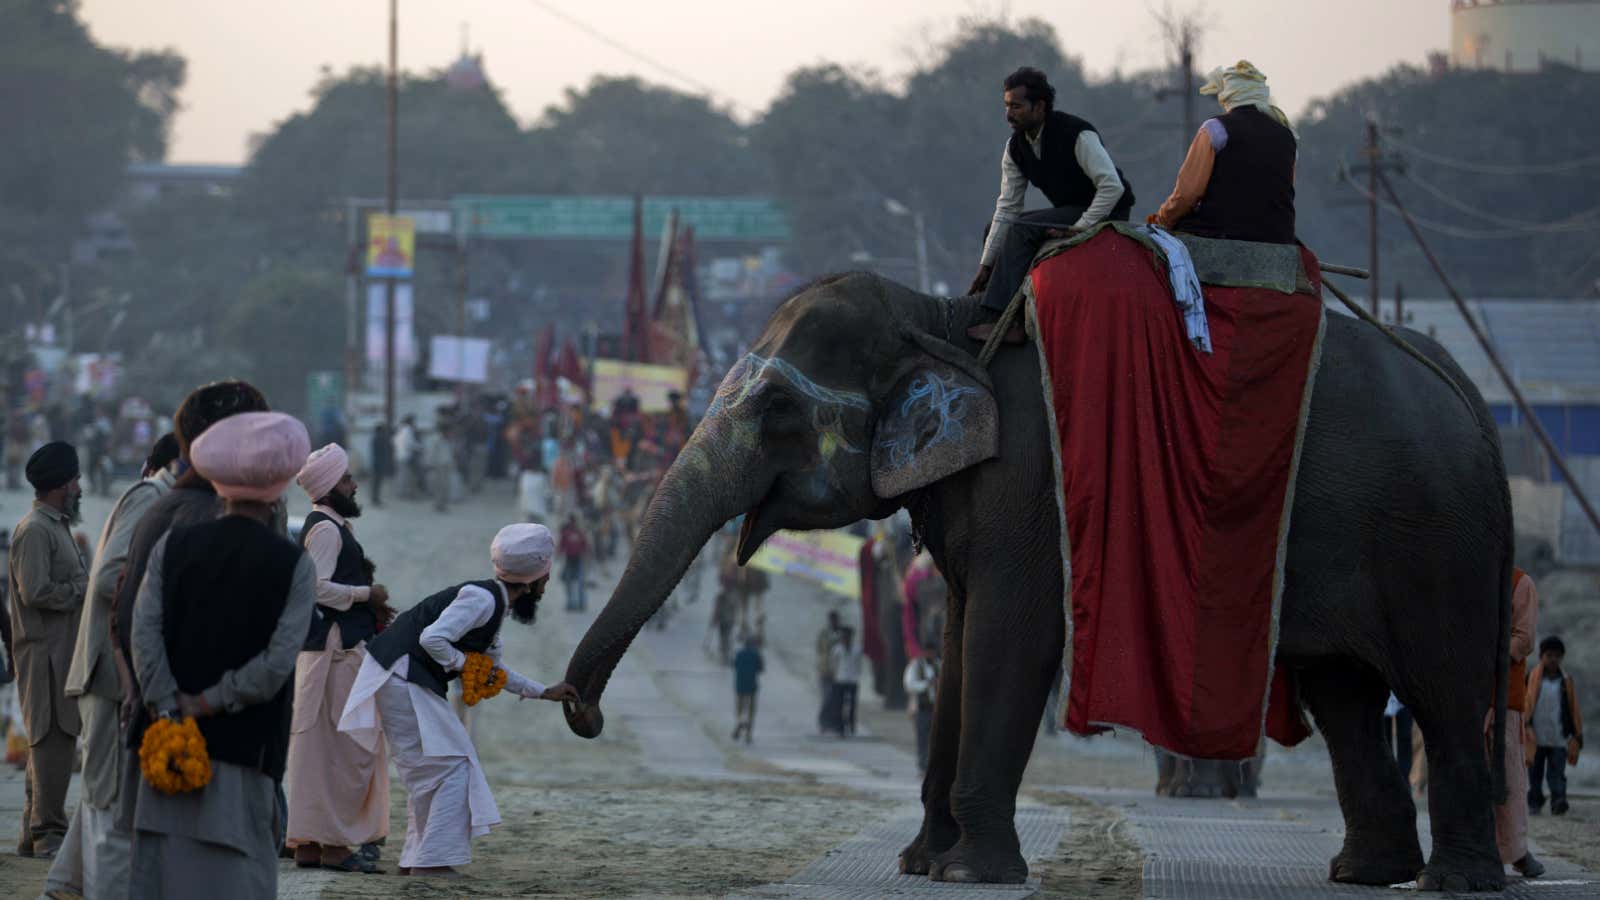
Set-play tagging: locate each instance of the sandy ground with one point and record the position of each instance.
(664, 804)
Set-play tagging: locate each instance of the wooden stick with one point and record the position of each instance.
(1351, 271)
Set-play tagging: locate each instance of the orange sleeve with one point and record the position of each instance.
(1524, 617)
(1193, 176)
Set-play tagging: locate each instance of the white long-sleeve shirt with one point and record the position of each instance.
(472, 608)
(1092, 159)
(323, 544)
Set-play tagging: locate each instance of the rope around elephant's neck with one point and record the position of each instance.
(1399, 341)
(1001, 326)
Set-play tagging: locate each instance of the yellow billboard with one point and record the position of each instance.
(830, 559)
(391, 246)
(651, 384)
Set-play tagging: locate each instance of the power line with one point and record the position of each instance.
(1455, 231)
(1557, 227)
(1552, 168)
(628, 51)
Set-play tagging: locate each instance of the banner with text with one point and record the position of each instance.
(391, 246)
(829, 559)
(651, 384)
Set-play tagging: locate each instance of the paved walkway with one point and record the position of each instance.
(1271, 848)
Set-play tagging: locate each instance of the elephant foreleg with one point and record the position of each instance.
(1380, 842)
(1012, 646)
(939, 829)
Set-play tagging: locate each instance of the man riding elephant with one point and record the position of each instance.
(1062, 156)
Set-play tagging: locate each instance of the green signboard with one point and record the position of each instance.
(324, 391)
(611, 218)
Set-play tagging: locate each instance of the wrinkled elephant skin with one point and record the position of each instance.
(862, 397)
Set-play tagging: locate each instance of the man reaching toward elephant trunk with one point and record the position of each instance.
(1062, 156)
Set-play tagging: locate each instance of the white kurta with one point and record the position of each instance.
(448, 800)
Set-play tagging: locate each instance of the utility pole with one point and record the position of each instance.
(1186, 59)
(1372, 208)
(391, 200)
(1374, 164)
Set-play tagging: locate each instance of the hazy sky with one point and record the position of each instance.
(252, 64)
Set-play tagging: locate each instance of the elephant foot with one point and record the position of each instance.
(917, 858)
(1348, 869)
(1389, 856)
(966, 864)
(1462, 879)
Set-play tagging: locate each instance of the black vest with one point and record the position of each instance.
(357, 623)
(224, 586)
(1057, 174)
(1250, 196)
(404, 634)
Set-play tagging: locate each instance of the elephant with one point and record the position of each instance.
(1398, 566)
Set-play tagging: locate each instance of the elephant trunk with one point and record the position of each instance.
(698, 494)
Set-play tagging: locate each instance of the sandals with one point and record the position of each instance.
(354, 863)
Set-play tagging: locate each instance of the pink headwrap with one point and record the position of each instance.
(323, 470)
(251, 456)
(521, 553)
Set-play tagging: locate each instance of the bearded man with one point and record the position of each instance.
(338, 789)
(403, 688)
(48, 581)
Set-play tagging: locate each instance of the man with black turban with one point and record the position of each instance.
(48, 580)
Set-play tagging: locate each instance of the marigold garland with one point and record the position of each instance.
(480, 679)
(173, 756)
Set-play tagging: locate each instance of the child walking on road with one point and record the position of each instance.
(1557, 721)
(747, 668)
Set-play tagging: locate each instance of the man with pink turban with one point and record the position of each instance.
(338, 788)
(219, 618)
(402, 689)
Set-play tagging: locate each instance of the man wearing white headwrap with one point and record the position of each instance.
(228, 665)
(1237, 181)
(402, 689)
(338, 788)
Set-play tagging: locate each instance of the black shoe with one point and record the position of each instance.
(1528, 866)
(1558, 807)
(370, 852)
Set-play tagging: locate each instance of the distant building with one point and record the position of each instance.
(1525, 35)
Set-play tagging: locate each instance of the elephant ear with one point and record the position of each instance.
(938, 417)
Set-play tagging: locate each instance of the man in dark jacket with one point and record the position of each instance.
(1062, 156)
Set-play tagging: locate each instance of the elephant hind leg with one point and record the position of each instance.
(1465, 856)
(1380, 844)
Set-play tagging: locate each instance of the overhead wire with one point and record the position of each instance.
(1473, 234)
(637, 55)
(1558, 226)
(1481, 168)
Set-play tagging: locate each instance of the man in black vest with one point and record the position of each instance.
(227, 664)
(1237, 181)
(338, 789)
(1059, 154)
(403, 686)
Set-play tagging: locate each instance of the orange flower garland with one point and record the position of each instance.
(173, 756)
(480, 679)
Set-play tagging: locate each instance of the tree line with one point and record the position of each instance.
(252, 283)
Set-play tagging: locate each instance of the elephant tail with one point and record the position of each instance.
(1502, 675)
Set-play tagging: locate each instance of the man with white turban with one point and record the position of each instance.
(1237, 181)
(338, 788)
(227, 664)
(402, 691)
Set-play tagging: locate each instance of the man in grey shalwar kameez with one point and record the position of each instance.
(227, 664)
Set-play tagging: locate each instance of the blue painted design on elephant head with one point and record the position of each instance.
(747, 377)
(931, 414)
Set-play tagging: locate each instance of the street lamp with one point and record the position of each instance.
(896, 208)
